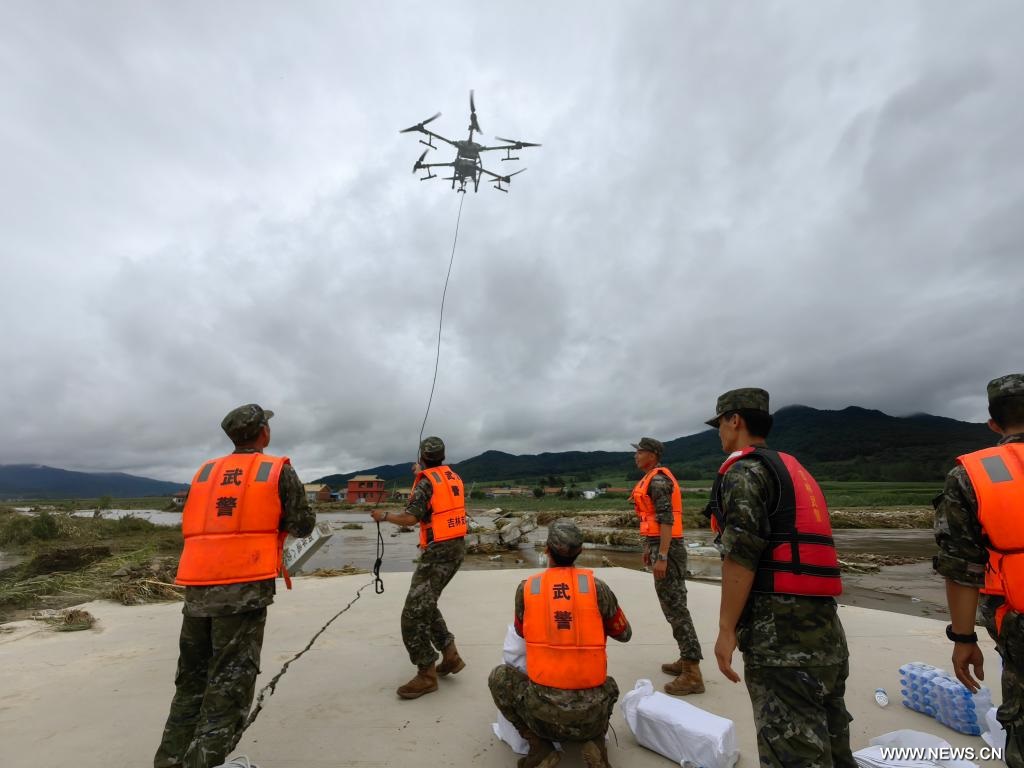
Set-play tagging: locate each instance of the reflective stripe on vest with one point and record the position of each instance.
(447, 506)
(801, 558)
(231, 521)
(563, 629)
(644, 505)
(997, 476)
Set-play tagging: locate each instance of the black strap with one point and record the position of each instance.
(799, 568)
(802, 538)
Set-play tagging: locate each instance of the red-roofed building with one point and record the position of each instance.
(365, 489)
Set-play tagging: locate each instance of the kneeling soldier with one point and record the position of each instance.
(565, 616)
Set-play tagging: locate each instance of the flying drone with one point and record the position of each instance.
(467, 165)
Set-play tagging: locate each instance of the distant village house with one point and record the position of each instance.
(365, 489)
(179, 498)
(317, 492)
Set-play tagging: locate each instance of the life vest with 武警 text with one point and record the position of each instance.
(447, 506)
(231, 521)
(564, 630)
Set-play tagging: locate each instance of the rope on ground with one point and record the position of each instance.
(268, 689)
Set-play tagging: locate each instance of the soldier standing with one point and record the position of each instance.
(565, 615)
(438, 504)
(659, 504)
(979, 531)
(239, 509)
(780, 576)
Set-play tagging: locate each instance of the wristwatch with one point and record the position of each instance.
(662, 557)
(971, 638)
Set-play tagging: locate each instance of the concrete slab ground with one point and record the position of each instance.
(98, 699)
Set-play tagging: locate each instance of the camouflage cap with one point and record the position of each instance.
(432, 448)
(564, 538)
(747, 398)
(244, 422)
(1011, 385)
(649, 444)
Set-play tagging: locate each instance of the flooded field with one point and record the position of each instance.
(908, 587)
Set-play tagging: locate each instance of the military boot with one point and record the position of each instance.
(689, 680)
(674, 668)
(542, 752)
(595, 754)
(424, 682)
(451, 662)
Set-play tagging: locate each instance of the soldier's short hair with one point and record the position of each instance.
(1007, 411)
(759, 423)
(563, 561)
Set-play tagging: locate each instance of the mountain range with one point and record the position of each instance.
(35, 481)
(849, 444)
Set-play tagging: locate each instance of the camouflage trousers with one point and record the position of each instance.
(424, 631)
(1011, 713)
(218, 661)
(553, 714)
(671, 593)
(800, 716)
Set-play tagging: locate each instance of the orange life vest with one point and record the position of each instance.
(997, 476)
(231, 521)
(801, 558)
(993, 578)
(563, 629)
(447, 506)
(644, 505)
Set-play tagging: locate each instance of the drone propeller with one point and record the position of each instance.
(473, 124)
(419, 126)
(508, 179)
(517, 144)
(416, 165)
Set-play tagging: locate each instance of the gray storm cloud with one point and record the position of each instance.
(213, 206)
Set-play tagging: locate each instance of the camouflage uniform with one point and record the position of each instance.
(558, 714)
(219, 653)
(671, 590)
(795, 657)
(962, 558)
(424, 631)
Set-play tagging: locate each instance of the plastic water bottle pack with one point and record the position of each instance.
(934, 692)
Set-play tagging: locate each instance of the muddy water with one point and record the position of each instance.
(358, 547)
(912, 589)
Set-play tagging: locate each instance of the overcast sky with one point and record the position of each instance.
(208, 204)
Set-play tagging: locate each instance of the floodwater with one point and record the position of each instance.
(912, 589)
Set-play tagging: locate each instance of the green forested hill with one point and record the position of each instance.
(851, 444)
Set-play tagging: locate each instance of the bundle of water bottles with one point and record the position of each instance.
(936, 693)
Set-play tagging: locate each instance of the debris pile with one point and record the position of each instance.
(66, 620)
(512, 532)
(146, 582)
(346, 570)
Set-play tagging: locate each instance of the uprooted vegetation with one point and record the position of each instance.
(70, 559)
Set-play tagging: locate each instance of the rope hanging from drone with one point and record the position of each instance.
(378, 581)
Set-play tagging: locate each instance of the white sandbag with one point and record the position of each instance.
(508, 733)
(513, 653)
(875, 757)
(679, 731)
(514, 649)
(995, 736)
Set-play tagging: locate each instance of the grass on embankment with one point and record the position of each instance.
(71, 560)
